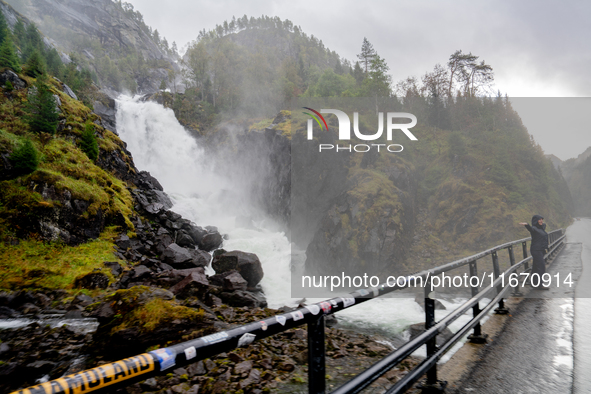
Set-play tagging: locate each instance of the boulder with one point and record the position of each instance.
(114, 266)
(91, 281)
(82, 300)
(123, 242)
(171, 276)
(240, 298)
(184, 239)
(69, 91)
(248, 265)
(195, 284)
(210, 241)
(175, 255)
(149, 181)
(179, 257)
(234, 281)
(141, 271)
(9, 75)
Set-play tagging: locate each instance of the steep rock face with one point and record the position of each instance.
(368, 228)
(576, 173)
(70, 22)
(275, 149)
(10, 14)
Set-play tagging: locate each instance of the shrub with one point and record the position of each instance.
(25, 158)
(88, 143)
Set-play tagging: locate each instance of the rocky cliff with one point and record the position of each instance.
(109, 39)
(576, 173)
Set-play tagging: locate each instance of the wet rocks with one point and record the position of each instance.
(179, 257)
(10, 76)
(247, 265)
(91, 281)
(31, 352)
(194, 284)
(239, 298)
(234, 281)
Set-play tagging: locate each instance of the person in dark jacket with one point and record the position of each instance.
(539, 244)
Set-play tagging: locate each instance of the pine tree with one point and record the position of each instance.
(54, 62)
(31, 41)
(358, 73)
(43, 116)
(25, 158)
(338, 68)
(88, 143)
(35, 64)
(19, 32)
(4, 32)
(367, 53)
(8, 56)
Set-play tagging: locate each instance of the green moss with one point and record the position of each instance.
(35, 264)
(68, 168)
(8, 141)
(261, 125)
(137, 308)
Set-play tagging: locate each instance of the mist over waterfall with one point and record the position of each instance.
(161, 146)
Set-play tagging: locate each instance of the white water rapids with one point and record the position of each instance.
(160, 145)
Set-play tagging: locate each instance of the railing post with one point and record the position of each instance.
(432, 385)
(501, 310)
(316, 357)
(476, 336)
(515, 292)
(524, 247)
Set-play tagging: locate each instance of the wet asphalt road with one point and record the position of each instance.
(545, 347)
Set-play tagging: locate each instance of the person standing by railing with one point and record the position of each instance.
(539, 243)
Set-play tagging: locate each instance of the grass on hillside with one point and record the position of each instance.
(35, 264)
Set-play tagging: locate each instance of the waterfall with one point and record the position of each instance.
(160, 145)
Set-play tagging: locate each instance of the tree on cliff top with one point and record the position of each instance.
(368, 53)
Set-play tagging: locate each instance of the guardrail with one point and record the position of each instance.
(106, 378)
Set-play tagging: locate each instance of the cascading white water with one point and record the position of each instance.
(160, 145)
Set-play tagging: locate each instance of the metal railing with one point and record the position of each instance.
(107, 377)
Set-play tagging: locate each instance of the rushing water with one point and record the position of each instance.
(160, 145)
(81, 326)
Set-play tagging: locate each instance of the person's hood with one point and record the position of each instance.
(534, 220)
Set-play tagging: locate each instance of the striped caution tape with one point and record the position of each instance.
(96, 378)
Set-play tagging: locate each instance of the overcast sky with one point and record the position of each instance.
(536, 48)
